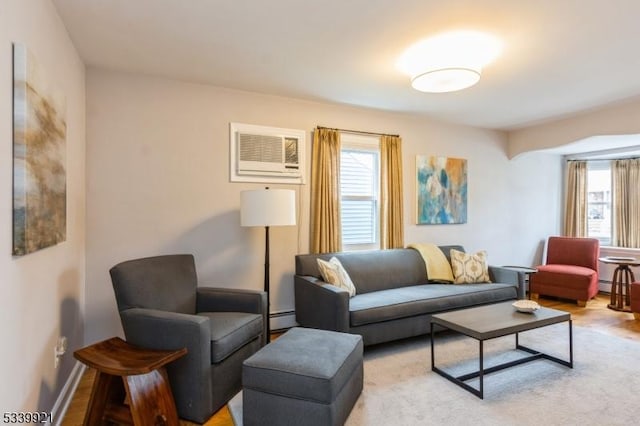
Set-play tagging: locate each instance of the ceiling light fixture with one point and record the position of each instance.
(449, 62)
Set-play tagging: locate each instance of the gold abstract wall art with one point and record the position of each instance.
(441, 186)
(39, 157)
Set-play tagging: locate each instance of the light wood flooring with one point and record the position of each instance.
(595, 315)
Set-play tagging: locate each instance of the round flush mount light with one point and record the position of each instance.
(449, 62)
(445, 80)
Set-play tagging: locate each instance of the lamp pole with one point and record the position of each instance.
(266, 281)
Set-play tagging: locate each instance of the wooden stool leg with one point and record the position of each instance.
(107, 390)
(614, 288)
(627, 298)
(151, 400)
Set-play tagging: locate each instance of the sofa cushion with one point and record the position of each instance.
(167, 283)
(569, 276)
(372, 270)
(573, 251)
(469, 268)
(230, 331)
(405, 302)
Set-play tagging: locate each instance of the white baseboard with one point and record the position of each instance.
(66, 394)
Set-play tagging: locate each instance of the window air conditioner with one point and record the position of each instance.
(268, 155)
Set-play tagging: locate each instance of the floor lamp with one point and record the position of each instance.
(267, 207)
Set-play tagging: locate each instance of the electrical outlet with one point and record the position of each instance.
(59, 350)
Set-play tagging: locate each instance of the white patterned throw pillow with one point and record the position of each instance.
(469, 268)
(334, 273)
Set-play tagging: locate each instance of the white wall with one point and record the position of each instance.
(158, 183)
(618, 119)
(41, 294)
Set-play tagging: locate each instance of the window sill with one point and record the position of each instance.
(612, 249)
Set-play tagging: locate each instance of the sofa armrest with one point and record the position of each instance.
(213, 299)
(164, 330)
(508, 276)
(190, 376)
(634, 295)
(320, 304)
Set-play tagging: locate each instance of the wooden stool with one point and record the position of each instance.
(141, 397)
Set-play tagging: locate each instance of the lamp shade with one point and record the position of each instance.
(268, 207)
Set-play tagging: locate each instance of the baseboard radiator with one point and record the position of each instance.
(606, 269)
(283, 320)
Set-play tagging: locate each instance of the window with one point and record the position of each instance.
(599, 201)
(359, 177)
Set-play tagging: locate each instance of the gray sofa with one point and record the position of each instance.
(394, 299)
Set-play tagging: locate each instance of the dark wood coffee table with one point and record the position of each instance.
(497, 320)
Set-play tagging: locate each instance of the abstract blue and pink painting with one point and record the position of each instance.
(441, 188)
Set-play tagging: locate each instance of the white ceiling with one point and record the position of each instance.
(560, 56)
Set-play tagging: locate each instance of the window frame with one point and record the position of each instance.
(369, 144)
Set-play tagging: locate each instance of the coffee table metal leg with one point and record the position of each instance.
(570, 344)
(433, 362)
(460, 381)
(481, 373)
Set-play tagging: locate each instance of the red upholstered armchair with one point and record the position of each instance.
(635, 299)
(571, 271)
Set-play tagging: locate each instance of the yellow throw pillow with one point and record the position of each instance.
(469, 268)
(334, 273)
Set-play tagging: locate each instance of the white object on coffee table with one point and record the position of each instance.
(526, 306)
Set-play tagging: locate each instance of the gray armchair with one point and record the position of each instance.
(161, 307)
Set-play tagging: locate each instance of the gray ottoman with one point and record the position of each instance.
(305, 377)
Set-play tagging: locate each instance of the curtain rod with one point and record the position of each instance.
(357, 132)
(606, 154)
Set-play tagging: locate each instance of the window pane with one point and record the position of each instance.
(599, 204)
(358, 222)
(357, 173)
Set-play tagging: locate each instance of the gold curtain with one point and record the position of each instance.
(625, 186)
(326, 229)
(391, 208)
(575, 216)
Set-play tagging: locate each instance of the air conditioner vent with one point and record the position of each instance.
(262, 148)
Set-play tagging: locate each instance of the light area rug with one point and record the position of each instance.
(603, 388)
